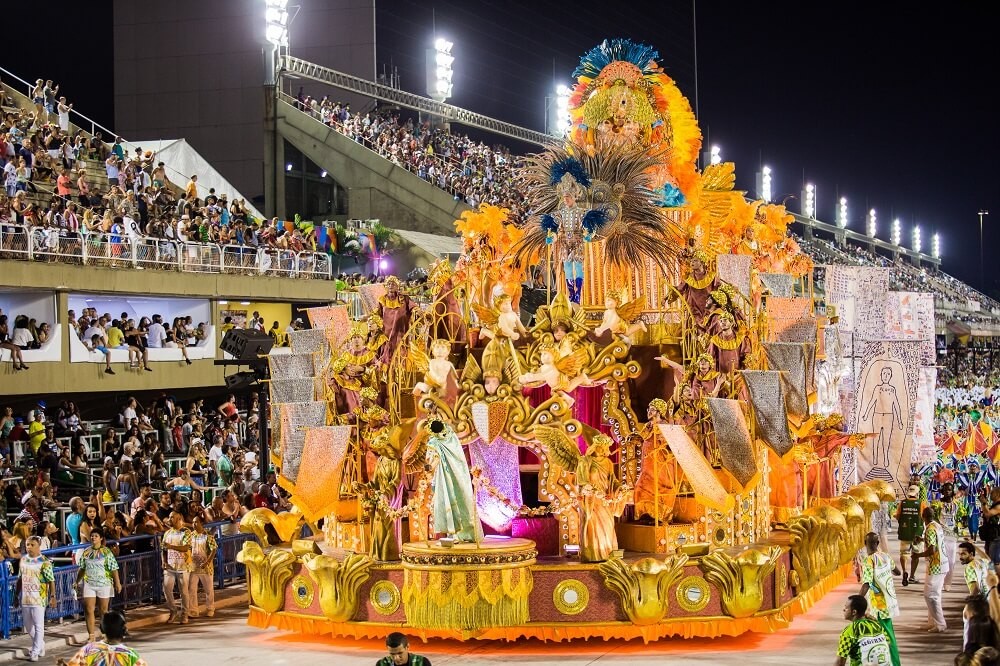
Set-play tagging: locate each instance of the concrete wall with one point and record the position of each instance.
(194, 69)
(376, 187)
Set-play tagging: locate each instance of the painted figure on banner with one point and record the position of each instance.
(395, 309)
(454, 498)
(883, 393)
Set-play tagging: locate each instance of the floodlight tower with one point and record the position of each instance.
(897, 233)
(809, 201)
(872, 226)
(842, 213)
(439, 70)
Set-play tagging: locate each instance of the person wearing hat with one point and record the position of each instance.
(911, 529)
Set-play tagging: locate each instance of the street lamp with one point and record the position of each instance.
(982, 212)
(897, 232)
(715, 156)
(842, 213)
(872, 227)
(916, 239)
(936, 246)
(809, 201)
(439, 69)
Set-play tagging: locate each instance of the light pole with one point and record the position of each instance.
(982, 212)
(842, 213)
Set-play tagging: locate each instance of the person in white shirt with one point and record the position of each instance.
(156, 336)
(22, 337)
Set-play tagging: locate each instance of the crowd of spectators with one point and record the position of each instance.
(50, 183)
(902, 276)
(471, 170)
(153, 459)
(104, 333)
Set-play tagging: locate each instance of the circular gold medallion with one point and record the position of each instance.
(385, 597)
(570, 597)
(302, 591)
(719, 536)
(693, 594)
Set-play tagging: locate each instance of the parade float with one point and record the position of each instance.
(657, 452)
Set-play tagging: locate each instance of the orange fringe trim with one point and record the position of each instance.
(765, 622)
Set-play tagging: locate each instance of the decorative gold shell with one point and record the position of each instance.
(740, 579)
(642, 586)
(267, 574)
(339, 583)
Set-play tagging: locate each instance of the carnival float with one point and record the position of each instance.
(655, 453)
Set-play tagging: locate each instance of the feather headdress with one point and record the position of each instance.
(623, 209)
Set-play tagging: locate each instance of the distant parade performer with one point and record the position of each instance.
(910, 530)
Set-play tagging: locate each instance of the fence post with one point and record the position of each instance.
(84, 246)
(30, 241)
(8, 599)
(220, 578)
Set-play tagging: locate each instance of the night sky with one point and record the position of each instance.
(882, 103)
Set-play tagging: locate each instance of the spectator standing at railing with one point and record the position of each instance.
(38, 589)
(203, 549)
(176, 547)
(74, 519)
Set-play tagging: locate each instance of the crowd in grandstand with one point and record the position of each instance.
(152, 460)
(471, 170)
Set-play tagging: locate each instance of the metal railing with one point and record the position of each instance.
(140, 571)
(27, 243)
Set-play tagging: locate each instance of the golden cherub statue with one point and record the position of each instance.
(500, 320)
(562, 374)
(600, 498)
(440, 375)
(621, 318)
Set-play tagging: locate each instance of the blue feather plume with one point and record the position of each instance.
(594, 219)
(599, 57)
(573, 167)
(669, 196)
(549, 223)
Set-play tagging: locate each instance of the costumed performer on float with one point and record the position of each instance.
(454, 498)
(395, 309)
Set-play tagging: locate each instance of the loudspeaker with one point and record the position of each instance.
(246, 345)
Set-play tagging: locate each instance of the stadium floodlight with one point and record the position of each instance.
(439, 69)
(916, 240)
(809, 201)
(765, 183)
(842, 213)
(872, 227)
(936, 246)
(560, 111)
(715, 155)
(276, 22)
(897, 232)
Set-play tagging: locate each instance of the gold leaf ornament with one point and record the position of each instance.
(740, 579)
(339, 583)
(643, 586)
(267, 574)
